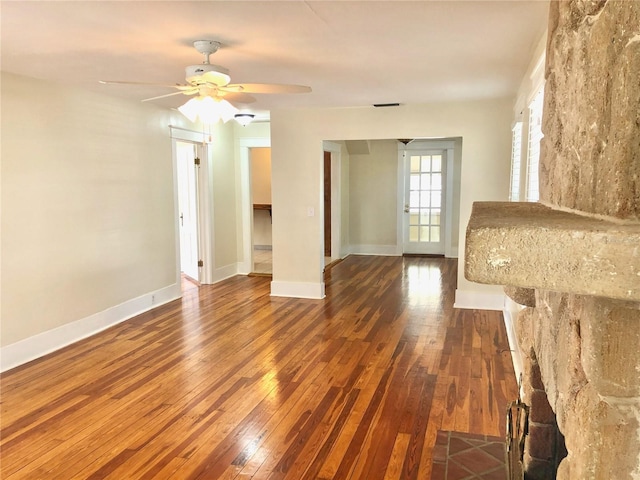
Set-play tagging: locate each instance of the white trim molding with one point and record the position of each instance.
(382, 250)
(478, 300)
(47, 342)
(228, 271)
(298, 290)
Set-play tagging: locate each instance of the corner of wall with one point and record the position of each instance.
(470, 299)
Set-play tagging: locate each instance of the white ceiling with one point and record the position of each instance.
(351, 54)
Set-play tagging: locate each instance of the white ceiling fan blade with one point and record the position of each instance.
(185, 92)
(143, 84)
(236, 97)
(265, 88)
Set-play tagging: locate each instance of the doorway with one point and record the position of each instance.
(327, 204)
(436, 180)
(332, 202)
(424, 202)
(246, 144)
(188, 164)
(260, 166)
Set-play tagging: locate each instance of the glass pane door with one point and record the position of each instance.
(423, 202)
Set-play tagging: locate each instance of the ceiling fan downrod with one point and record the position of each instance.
(207, 73)
(206, 48)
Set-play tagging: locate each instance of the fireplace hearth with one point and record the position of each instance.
(573, 259)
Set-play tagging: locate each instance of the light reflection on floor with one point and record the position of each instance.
(191, 333)
(423, 284)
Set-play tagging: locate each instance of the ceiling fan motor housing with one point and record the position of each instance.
(207, 73)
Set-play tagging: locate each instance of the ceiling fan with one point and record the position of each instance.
(212, 85)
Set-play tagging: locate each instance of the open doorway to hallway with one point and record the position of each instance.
(260, 165)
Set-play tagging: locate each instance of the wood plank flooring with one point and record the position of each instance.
(230, 383)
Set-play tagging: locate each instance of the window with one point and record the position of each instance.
(516, 156)
(535, 136)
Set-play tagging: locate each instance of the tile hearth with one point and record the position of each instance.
(464, 456)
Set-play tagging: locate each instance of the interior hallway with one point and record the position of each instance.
(229, 382)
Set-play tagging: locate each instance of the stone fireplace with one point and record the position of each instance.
(573, 259)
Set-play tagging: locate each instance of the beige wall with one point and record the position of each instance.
(373, 194)
(345, 220)
(296, 141)
(223, 190)
(87, 204)
(261, 174)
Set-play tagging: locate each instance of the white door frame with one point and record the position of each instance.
(246, 205)
(336, 199)
(418, 144)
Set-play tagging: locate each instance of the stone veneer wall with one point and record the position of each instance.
(588, 347)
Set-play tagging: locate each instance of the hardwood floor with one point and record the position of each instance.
(229, 382)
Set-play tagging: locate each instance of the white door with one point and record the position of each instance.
(187, 153)
(423, 217)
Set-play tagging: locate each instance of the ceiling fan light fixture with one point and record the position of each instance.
(191, 109)
(208, 110)
(207, 73)
(244, 119)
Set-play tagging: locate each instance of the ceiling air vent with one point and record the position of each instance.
(379, 105)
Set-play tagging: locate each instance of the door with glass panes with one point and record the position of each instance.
(423, 215)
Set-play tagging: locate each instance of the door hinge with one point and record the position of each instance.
(200, 263)
(196, 161)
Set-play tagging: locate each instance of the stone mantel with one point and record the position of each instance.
(530, 245)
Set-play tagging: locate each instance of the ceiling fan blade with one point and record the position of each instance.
(143, 84)
(265, 88)
(184, 92)
(236, 97)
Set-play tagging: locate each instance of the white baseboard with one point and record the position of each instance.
(479, 301)
(383, 250)
(297, 289)
(225, 272)
(244, 268)
(46, 342)
(451, 252)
